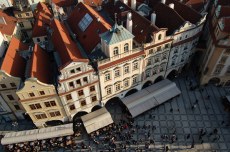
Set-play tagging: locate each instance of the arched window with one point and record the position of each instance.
(126, 47)
(115, 51)
(159, 36)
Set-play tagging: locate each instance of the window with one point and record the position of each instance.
(27, 14)
(50, 104)
(19, 15)
(218, 69)
(118, 87)
(157, 59)
(31, 94)
(147, 73)
(40, 116)
(134, 79)
(151, 51)
(149, 61)
(166, 46)
(135, 66)
(115, 51)
(38, 40)
(21, 24)
(126, 70)
(35, 106)
(72, 71)
(80, 93)
(223, 59)
(175, 51)
(10, 97)
(92, 88)
(55, 114)
(108, 90)
(155, 70)
(85, 79)
(78, 82)
(126, 83)
(117, 73)
(13, 84)
(71, 85)
(158, 49)
(83, 103)
(42, 92)
(164, 56)
(17, 107)
(72, 107)
(3, 85)
(107, 76)
(159, 36)
(68, 97)
(85, 21)
(78, 69)
(126, 47)
(94, 98)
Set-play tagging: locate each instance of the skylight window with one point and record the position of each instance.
(85, 21)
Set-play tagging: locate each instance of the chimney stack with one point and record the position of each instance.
(133, 4)
(163, 1)
(153, 18)
(129, 22)
(171, 5)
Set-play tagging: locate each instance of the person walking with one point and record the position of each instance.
(188, 136)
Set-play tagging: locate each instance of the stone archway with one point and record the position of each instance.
(158, 79)
(97, 107)
(214, 80)
(146, 84)
(132, 91)
(77, 122)
(172, 75)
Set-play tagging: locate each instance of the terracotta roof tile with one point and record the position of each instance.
(167, 18)
(90, 37)
(40, 25)
(64, 45)
(93, 3)
(9, 25)
(185, 11)
(42, 8)
(13, 63)
(142, 27)
(63, 3)
(41, 65)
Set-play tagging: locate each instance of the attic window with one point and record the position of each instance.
(85, 21)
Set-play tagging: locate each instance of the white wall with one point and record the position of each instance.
(6, 3)
(2, 45)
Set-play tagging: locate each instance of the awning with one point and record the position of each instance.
(96, 120)
(20, 136)
(150, 97)
(57, 131)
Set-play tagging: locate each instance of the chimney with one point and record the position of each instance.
(153, 18)
(133, 4)
(171, 5)
(163, 1)
(129, 22)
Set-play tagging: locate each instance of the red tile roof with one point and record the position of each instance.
(185, 11)
(167, 18)
(143, 29)
(10, 25)
(90, 37)
(40, 25)
(93, 3)
(63, 3)
(41, 65)
(64, 45)
(224, 11)
(227, 25)
(42, 8)
(13, 63)
(198, 5)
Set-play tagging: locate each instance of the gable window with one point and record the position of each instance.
(31, 94)
(107, 76)
(117, 73)
(68, 97)
(159, 36)
(135, 66)
(85, 22)
(115, 51)
(92, 88)
(10, 97)
(126, 47)
(80, 93)
(72, 71)
(126, 70)
(3, 85)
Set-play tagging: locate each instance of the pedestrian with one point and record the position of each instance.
(167, 148)
(215, 131)
(201, 141)
(196, 101)
(171, 110)
(188, 136)
(222, 123)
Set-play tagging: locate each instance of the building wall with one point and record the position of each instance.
(41, 100)
(8, 87)
(5, 4)
(33, 3)
(2, 45)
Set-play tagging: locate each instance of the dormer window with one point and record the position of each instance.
(115, 51)
(126, 47)
(85, 21)
(159, 36)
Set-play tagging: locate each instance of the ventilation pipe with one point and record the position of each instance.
(129, 22)
(133, 4)
(171, 6)
(153, 18)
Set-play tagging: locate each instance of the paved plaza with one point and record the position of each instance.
(175, 116)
